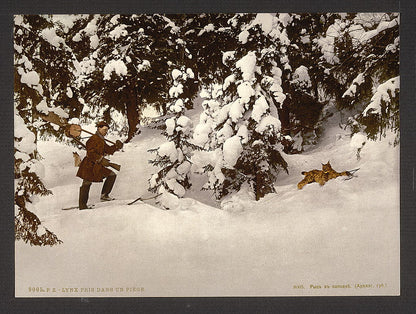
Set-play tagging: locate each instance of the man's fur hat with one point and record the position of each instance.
(102, 123)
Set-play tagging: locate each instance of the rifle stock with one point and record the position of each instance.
(113, 165)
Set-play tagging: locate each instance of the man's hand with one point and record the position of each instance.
(119, 144)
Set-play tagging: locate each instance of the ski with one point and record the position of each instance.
(144, 199)
(75, 207)
(104, 202)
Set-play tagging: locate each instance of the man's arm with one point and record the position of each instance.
(112, 149)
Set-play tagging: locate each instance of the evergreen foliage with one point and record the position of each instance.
(368, 71)
(43, 83)
(268, 81)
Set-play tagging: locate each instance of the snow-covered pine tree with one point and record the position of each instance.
(305, 80)
(248, 137)
(128, 66)
(174, 156)
(103, 76)
(44, 69)
(83, 39)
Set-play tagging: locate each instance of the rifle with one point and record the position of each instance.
(110, 164)
(74, 131)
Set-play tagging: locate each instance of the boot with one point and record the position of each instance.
(84, 191)
(107, 187)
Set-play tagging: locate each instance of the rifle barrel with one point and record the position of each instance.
(93, 134)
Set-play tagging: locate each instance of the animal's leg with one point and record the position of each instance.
(320, 180)
(302, 183)
(306, 180)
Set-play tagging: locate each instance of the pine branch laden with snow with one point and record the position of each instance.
(382, 112)
(28, 228)
(204, 133)
(45, 70)
(352, 90)
(384, 98)
(28, 182)
(301, 78)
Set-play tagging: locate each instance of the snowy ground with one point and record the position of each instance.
(344, 233)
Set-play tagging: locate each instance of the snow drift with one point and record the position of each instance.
(339, 239)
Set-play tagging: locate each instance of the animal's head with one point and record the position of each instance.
(326, 167)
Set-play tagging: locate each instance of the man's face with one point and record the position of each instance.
(103, 130)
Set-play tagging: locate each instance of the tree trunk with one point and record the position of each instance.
(257, 186)
(132, 116)
(284, 118)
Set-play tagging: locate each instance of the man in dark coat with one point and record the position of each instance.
(93, 166)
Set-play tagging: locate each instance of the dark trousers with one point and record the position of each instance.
(108, 183)
(85, 189)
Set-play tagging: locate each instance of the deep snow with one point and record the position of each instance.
(344, 233)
